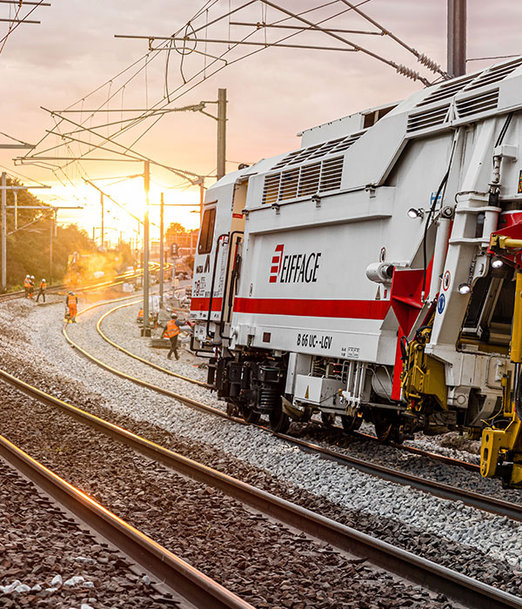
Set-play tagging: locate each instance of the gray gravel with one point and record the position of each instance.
(47, 560)
(418, 521)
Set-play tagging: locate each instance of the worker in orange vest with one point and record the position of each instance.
(139, 319)
(72, 306)
(171, 331)
(27, 285)
(41, 290)
(31, 287)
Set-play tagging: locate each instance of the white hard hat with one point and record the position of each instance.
(43, 279)
(32, 276)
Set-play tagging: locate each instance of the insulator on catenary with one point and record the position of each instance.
(429, 63)
(408, 72)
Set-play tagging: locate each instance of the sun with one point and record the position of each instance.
(123, 207)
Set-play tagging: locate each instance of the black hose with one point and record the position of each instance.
(505, 127)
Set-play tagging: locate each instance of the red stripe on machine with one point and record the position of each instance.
(349, 309)
(201, 304)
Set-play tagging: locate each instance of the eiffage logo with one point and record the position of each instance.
(293, 268)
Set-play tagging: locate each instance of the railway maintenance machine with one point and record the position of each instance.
(375, 273)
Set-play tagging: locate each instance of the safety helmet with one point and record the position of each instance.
(173, 315)
(71, 292)
(32, 276)
(43, 279)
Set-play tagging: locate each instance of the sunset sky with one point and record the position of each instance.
(272, 95)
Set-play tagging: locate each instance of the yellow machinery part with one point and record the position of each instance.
(501, 445)
(423, 376)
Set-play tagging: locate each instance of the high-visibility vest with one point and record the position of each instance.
(43, 285)
(27, 283)
(140, 313)
(172, 329)
(71, 300)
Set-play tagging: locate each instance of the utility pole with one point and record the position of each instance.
(146, 186)
(4, 231)
(162, 257)
(456, 37)
(51, 237)
(221, 132)
(15, 194)
(102, 221)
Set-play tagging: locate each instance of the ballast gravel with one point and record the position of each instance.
(47, 560)
(264, 562)
(475, 543)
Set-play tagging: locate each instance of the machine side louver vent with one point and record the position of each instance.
(309, 182)
(319, 150)
(303, 181)
(271, 188)
(445, 91)
(331, 174)
(479, 103)
(427, 118)
(289, 182)
(493, 75)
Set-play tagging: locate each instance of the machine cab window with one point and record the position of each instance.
(207, 231)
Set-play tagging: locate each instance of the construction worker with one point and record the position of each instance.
(31, 287)
(41, 290)
(27, 285)
(139, 319)
(171, 331)
(71, 306)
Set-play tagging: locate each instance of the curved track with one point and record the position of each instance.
(445, 491)
(137, 357)
(455, 585)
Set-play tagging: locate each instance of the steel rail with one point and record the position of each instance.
(457, 586)
(137, 357)
(439, 489)
(179, 576)
(423, 453)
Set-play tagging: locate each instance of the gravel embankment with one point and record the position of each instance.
(258, 559)
(475, 543)
(47, 560)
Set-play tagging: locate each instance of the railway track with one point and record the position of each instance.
(182, 579)
(165, 566)
(439, 489)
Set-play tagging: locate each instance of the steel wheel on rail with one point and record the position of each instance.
(350, 422)
(250, 415)
(279, 420)
(328, 419)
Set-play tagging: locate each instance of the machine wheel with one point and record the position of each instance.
(251, 416)
(350, 423)
(383, 429)
(232, 410)
(279, 421)
(328, 419)
(397, 434)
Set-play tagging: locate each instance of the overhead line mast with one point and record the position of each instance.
(457, 10)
